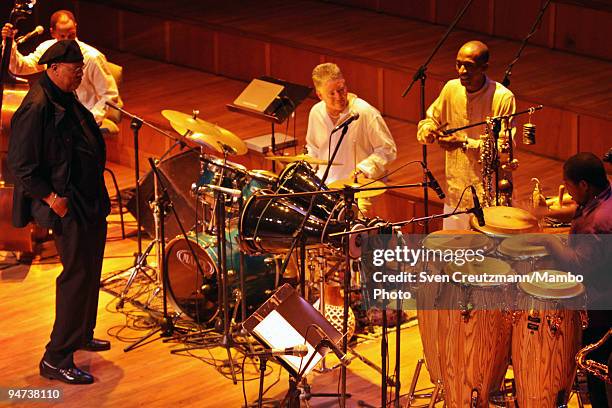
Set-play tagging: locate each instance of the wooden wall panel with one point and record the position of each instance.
(407, 108)
(241, 57)
(584, 30)
(98, 25)
(293, 64)
(514, 18)
(192, 46)
(420, 10)
(556, 131)
(361, 79)
(594, 135)
(366, 4)
(476, 18)
(144, 35)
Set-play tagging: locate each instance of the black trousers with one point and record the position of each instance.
(81, 251)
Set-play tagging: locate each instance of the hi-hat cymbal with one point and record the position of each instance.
(362, 181)
(205, 133)
(300, 157)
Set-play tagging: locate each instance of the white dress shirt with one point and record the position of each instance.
(97, 87)
(368, 145)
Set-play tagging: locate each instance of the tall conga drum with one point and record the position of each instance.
(546, 336)
(428, 293)
(503, 222)
(474, 333)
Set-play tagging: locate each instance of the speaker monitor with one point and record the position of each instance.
(178, 172)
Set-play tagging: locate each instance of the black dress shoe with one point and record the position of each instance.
(72, 375)
(96, 345)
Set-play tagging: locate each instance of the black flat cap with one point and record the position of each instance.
(62, 51)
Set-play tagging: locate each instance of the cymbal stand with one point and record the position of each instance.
(162, 203)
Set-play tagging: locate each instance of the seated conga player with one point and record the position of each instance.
(589, 252)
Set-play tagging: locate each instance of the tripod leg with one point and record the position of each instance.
(137, 343)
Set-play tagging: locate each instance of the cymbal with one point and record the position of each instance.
(205, 133)
(300, 157)
(362, 181)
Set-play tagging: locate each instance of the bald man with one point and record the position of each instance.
(469, 99)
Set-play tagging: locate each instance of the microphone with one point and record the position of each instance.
(433, 183)
(327, 342)
(227, 191)
(351, 117)
(477, 210)
(37, 31)
(301, 350)
(112, 105)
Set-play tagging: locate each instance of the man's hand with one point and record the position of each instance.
(8, 31)
(451, 142)
(58, 204)
(433, 135)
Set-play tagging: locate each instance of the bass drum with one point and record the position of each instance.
(195, 293)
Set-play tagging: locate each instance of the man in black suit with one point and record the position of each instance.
(57, 155)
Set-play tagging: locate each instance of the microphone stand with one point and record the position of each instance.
(421, 75)
(506, 81)
(140, 258)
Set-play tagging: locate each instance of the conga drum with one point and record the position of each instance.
(474, 333)
(546, 336)
(428, 293)
(523, 256)
(503, 222)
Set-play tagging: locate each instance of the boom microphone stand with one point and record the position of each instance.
(421, 75)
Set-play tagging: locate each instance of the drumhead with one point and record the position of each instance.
(517, 247)
(490, 266)
(458, 239)
(552, 290)
(506, 221)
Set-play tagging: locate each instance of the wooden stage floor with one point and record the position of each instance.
(151, 376)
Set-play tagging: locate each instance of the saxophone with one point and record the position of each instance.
(599, 370)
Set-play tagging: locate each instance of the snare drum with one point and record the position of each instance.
(474, 333)
(428, 293)
(546, 336)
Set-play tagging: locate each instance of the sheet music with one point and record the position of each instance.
(269, 329)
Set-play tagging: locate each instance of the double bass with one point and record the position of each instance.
(12, 92)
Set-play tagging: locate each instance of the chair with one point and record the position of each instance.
(109, 128)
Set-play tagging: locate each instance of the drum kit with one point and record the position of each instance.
(257, 233)
(473, 332)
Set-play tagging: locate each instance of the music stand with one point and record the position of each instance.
(272, 100)
(285, 320)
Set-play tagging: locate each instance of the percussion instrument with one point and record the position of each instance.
(474, 329)
(300, 158)
(523, 256)
(427, 293)
(546, 336)
(502, 222)
(360, 181)
(300, 177)
(196, 296)
(204, 133)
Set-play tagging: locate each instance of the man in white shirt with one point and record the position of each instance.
(98, 85)
(368, 146)
(469, 99)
